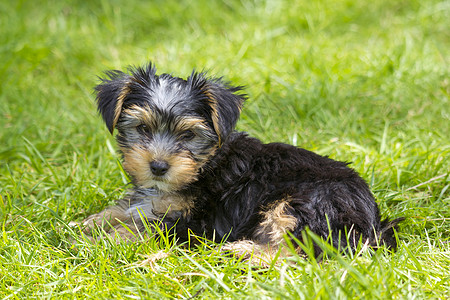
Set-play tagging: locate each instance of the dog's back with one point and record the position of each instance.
(260, 191)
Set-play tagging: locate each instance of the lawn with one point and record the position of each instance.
(360, 81)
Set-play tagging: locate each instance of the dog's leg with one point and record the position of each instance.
(126, 232)
(110, 220)
(109, 217)
(268, 239)
(275, 223)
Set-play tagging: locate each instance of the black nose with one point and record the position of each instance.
(159, 168)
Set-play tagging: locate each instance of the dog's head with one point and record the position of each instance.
(168, 127)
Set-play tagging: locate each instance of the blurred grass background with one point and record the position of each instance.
(361, 81)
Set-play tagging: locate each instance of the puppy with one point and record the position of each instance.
(192, 173)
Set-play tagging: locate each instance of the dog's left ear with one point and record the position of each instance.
(111, 94)
(225, 102)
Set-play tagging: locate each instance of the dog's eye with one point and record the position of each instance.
(187, 135)
(143, 129)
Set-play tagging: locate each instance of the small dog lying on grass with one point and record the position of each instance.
(192, 173)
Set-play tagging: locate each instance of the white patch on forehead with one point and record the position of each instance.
(167, 93)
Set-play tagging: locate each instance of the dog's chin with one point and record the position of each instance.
(161, 184)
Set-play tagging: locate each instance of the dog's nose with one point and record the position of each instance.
(159, 168)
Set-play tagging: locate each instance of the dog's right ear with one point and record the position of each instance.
(111, 93)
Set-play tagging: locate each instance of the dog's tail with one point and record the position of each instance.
(386, 234)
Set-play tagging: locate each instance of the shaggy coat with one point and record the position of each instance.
(192, 173)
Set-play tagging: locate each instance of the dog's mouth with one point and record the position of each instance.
(160, 180)
(174, 179)
(162, 185)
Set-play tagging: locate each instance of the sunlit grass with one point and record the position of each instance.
(360, 81)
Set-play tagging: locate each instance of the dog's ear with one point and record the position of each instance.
(224, 100)
(111, 93)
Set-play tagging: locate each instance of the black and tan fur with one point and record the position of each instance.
(192, 172)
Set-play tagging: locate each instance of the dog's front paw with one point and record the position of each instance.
(107, 219)
(96, 221)
(117, 229)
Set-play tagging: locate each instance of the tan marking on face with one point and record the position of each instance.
(135, 162)
(183, 169)
(144, 114)
(276, 222)
(191, 123)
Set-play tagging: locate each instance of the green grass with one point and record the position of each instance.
(361, 81)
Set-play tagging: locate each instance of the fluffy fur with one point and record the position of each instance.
(192, 172)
